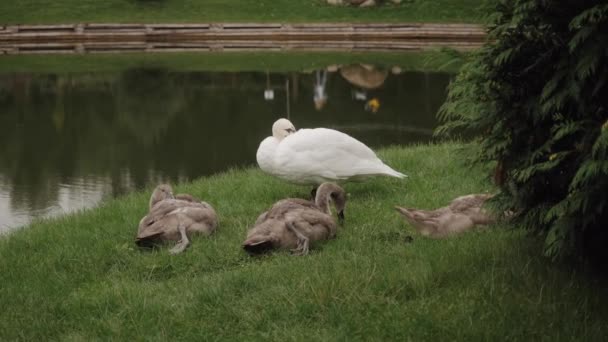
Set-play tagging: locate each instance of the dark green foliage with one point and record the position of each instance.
(537, 100)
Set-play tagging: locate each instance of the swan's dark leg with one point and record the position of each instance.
(183, 243)
(303, 241)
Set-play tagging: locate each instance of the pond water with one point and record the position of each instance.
(69, 141)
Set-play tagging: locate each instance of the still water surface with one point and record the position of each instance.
(69, 141)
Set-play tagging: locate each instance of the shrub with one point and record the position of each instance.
(536, 99)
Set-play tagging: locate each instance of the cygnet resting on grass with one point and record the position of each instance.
(294, 223)
(462, 214)
(174, 218)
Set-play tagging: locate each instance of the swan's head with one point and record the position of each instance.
(161, 192)
(282, 128)
(328, 193)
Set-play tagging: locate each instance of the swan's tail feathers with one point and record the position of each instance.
(397, 174)
(388, 171)
(405, 212)
(411, 215)
(256, 246)
(417, 220)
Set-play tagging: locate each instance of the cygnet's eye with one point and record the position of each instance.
(291, 130)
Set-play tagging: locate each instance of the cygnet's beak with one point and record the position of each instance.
(341, 216)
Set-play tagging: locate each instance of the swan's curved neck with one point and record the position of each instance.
(158, 196)
(322, 199)
(154, 200)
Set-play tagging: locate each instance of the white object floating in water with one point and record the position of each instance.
(268, 94)
(359, 95)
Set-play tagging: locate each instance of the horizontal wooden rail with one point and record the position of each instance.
(108, 37)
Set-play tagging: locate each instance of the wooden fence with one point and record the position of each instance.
(95, 38)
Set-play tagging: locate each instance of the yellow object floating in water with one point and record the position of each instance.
(372, 105)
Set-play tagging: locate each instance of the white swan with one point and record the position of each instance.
(314, 156)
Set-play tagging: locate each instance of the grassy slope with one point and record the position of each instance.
(214, 61)
(80, 277)
(72, 11)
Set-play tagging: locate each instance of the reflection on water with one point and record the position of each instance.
(68, 141)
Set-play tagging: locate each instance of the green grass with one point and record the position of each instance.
(216, 61)
(73, 11)
(81, 278)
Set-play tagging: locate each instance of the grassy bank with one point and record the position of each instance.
(217, 61)
(80, 277)
(73, 11)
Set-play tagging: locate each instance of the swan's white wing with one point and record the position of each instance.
(321, 154)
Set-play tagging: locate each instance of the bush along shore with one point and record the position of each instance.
(81, 277)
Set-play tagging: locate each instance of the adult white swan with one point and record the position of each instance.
(314, 156)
